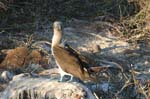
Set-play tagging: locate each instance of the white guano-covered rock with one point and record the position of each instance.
(24, 86)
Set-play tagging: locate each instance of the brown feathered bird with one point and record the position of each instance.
(68, 60)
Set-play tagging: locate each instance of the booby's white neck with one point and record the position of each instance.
(57, 37)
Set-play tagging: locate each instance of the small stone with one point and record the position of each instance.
(7, 76)
(96, 48)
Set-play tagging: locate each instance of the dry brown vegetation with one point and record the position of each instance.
(132, 15)
(137, 27)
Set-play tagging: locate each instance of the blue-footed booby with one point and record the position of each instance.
(68, 60)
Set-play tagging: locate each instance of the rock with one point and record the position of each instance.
(7, 76)
(24, 86)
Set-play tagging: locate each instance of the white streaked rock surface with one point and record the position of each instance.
(24, 86)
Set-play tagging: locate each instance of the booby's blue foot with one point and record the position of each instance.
(61, 78)
(71, 79)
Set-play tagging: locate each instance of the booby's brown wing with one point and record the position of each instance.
(70, 63)
(82, 61)
(85, 62)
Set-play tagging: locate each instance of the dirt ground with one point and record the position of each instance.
(114, 51)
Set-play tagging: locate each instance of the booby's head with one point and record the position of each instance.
(58, 32)
(58, 26)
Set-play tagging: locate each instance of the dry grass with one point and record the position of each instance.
(137, 27)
